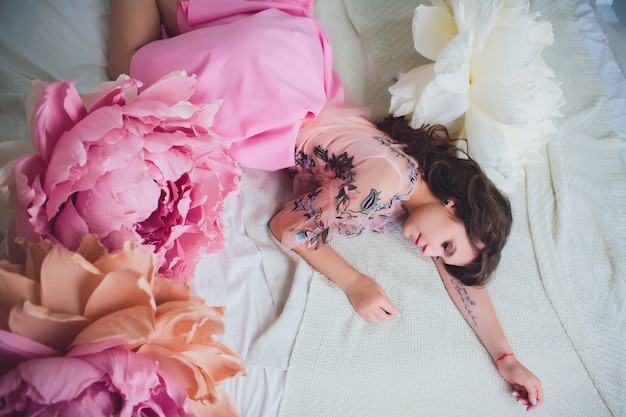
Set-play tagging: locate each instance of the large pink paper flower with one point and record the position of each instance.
(90, 300)
(113, 382)
(127, 166)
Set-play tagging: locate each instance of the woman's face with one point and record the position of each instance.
(434, 228)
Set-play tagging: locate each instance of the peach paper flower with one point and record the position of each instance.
(91, 300)
(128, 165)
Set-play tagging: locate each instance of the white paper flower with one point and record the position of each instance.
(488, 82)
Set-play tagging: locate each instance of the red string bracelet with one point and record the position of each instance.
(504, 356)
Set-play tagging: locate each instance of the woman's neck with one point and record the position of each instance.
(420, 195)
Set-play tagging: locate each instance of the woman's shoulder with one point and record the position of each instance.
(393, 173)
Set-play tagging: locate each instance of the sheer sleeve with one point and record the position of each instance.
(309, 218)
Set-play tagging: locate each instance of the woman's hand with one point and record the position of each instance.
(370, 300)
(367, 297)
(526, 386)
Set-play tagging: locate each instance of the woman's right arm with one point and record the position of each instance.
(367, 297)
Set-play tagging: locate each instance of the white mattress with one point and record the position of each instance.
(66, 39)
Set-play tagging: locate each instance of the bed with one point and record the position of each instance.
(560, 290)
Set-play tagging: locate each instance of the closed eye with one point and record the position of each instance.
(449, 248)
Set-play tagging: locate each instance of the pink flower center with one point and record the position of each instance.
(157, 228)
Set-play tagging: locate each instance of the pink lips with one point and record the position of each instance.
(417, 243)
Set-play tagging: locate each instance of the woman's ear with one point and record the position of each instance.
(448, 203)
(479, 245)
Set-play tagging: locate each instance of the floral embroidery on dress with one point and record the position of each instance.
(343, 198)
(305, 161)
(369, 203)
(317, 232)
(341, 165)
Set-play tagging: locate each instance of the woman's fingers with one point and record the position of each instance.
(386, 312)
(382, 316)
(535, 396)
(390, 308)
(531, 397)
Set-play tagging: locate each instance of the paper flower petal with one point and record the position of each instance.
(504, 103)
(428, 101)
(479, 17)
(514, 44)
(35, 254)
(224, 406)
(14, 286)
(121, 91)
(70, 227)
(180, 322)
(217, 359)
(134, 323)
(50, 122)
(119, 290)
(128, 257)
(67, 281)
(56, 330)
(31, 220)
(70, 170)
(166, 290)
(198, 370)
(433, 28)
(407, 90)
(452, 68)
(172, 89)
(92, 251)
(15, 349)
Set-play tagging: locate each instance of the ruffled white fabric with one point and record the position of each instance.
(487, 83)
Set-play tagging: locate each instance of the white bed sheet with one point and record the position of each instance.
(234, 278)
(54, 40)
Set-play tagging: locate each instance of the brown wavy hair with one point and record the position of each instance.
(453, 175)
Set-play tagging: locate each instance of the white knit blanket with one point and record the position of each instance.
(559, 292)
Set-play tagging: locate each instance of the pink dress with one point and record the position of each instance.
(269, 62)
(353, 179)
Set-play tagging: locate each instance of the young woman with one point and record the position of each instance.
(270, 64)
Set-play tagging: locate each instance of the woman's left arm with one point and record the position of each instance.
(475, 305)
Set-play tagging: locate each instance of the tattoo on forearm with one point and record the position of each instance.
(468, 303)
